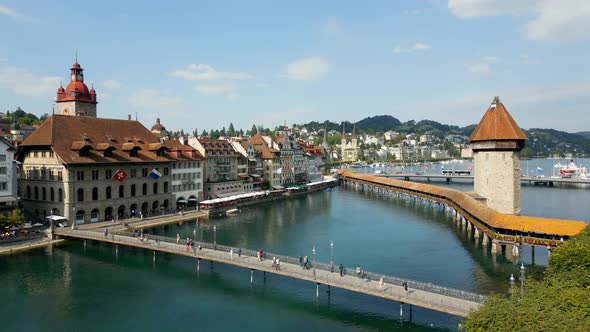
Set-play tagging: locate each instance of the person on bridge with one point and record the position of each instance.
(341, 268)
(381, 283)
(358, 270)
(231, 253)
(405, 284)
(239, 252)
(277, 264)
(106, 232)
(177, 238)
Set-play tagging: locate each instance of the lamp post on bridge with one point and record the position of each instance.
(313, 251)
(522, 277)
(511, 284)
(331, 256)
(214, 237)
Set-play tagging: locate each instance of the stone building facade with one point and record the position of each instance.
(8, 175)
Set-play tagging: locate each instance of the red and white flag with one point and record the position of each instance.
(120, 175)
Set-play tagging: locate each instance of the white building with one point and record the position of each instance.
(187, 174)
(8, 174)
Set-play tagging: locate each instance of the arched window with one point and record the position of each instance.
(80, 195)
(165, 187)
(51, 194)
(109, 192)
(36, 190)
(44, 194)
(144, 189)
(155, 188)
(94, 194)
(133, 190)
(121, 191)
(60, 195)
(28, 192)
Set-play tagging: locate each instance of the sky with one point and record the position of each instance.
(206, 64)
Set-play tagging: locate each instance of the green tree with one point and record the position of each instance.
(253, 131)
(230, 130)
(204, 133)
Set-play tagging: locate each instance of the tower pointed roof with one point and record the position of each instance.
(497, 125)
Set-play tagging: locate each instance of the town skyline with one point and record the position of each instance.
(271, 63)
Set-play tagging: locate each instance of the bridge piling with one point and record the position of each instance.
(317, 290)
(495, 246)
(401, 310)
(251, 276)
(198, 265)
(154, 256)
(485, 239)
(515, 250)
(84, 245)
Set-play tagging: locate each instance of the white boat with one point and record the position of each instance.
(232, 211)
(570, 171)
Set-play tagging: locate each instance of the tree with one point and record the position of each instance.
(230, 130)
(253, 131)
(222, 132)
(204, 133)
(14, 218)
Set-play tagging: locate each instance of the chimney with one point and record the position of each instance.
(129, 117)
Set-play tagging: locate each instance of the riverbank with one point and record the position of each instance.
(14, 247)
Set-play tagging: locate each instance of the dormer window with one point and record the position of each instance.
(178, 154)
(133, 151)
(85, 151)
(108, 152)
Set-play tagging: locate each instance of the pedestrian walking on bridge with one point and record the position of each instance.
(341, 268)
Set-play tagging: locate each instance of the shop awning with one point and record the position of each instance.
(230, 194)
(182, 201)
(255, 175)
(278, 187)
(192, 199)
(244, 176)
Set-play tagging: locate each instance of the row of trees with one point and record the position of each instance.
(559, 302)
(20, 117)
(13, 218)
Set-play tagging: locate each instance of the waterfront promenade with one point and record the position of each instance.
(438, 298)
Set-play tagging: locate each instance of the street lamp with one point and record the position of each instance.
(511, 284)
(521, 279)
(331, 256)
(313, 255)
(214, 237)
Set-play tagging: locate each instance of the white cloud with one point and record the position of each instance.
(228, 90)
(308, 69)
(478, 67)
(206, 72)
(415, 47)
(151, 99)
(420, 47)
(551, 19)
(478, 8)
(561, 20)
(113, 84)
(412, 12)
(25, 83)
(331, 27)
(11, 13)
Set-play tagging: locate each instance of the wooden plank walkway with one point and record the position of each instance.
(530, 179)
(447, 300)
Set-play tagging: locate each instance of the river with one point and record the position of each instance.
(70, 287)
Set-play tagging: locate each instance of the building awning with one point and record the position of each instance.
(182, 201)
(255, 175)
(230, 194)
(7, 199)
(244, 176)
(192, 199)
(278, 187)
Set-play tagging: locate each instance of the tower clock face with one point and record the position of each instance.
(79, 77)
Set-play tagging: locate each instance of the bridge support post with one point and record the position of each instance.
(476, 232)
(485, 239)
(469, 227)
(198, 264)
(264, 275)
(515, 250)
(251, 276)
(84, 245)
(317, 290)
(495, 246)
(116, 250)
(401, 310)
(154, 256)
(410, 312)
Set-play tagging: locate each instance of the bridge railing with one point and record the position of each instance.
(412, 284)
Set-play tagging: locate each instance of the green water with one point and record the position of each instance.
(70, 287)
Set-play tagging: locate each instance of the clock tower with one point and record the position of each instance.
(76, 99)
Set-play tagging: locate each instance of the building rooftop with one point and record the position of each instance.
(497, 125)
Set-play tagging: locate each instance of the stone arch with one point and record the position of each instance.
(80, 216)
(55, 211)
(144, 207)
(121, 211)
(166, 204)
(94, 215)
(133, 210)
(155, 207)
(108, 213)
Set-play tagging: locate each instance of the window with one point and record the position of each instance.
(133, 173)
(2, 157)
(108, 174)
(144, 189)
(35, 154)
(2, 170)
(50, 154)
(132, 190)
(95, 175)
(144, 172)
(80, 196)
(80, 175)
(36, 191)
(165, 187)
(94, 194)
(155, 188)
(121, 191)
(108, 193)
(59, 176)
(51, 194)
(60, 195)
(43, 194)
(28, 192)
(43, 154)
(3, 185)
(166, 171)
(133, 152)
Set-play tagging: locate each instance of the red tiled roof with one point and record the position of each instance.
(186, 151)
(261, 147)
(497, 125)
(65, 134)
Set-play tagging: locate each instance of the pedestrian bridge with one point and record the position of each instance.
(484, 222)
(448, 300)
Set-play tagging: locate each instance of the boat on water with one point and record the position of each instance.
(231, 212)
(570, 171)
(357, 164)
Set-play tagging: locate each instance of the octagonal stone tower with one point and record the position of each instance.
(496, 143)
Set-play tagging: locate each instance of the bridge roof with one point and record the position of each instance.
(497, 125)
(491, 217)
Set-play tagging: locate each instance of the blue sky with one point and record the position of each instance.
(204, 64)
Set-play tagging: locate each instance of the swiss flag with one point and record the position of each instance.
(120, 175)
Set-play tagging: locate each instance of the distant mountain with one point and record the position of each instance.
(542, 142)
